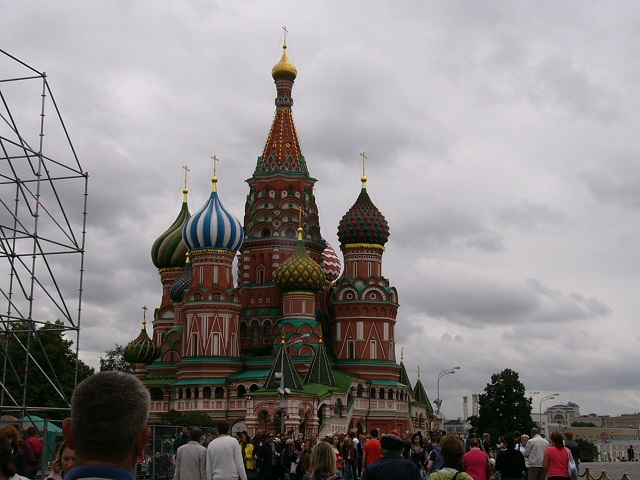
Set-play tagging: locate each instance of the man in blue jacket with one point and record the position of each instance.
(392, 465)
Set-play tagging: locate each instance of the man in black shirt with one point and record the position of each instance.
(392, 464)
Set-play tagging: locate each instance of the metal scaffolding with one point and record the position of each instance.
(43, 205)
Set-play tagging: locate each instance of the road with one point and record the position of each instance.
(614, 470)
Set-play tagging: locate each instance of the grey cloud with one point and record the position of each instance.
(526, 215)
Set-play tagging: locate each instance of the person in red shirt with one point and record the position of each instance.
(371, 450)
(36, 446)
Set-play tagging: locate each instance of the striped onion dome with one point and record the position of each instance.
(169, 250)
(331, 263)
(142, 349)
(363, 223)
(181, 284)
(213, 227)
(299, 272)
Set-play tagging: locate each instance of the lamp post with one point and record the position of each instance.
(283, 392)
(542, 400)
(449, 371)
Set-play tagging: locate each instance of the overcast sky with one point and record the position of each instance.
(503, 150)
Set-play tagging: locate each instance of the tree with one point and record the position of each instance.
(51, 372)
(583, 424)
(588, 451)
(503, 408)
(200, 419)
(114, 360)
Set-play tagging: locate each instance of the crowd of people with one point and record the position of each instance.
(117, 405)
(286, 456)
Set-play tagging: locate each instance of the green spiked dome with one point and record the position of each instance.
(363, 223)
(300, 272)
(169, 250)
(141, 350)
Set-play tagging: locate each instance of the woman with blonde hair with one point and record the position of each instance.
(322, 464)
(64, 460)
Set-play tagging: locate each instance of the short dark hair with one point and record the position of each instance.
(108, 412)
(375, 433)
(195, 434)
(223, 427)
(510, 442)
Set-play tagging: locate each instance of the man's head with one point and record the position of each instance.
(109, 412)
(31, 432)
(223, 427)
(534, 431)
(391, 445)
(185, 430)
(375, 433)
(195, 434)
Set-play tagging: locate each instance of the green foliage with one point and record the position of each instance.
(588, 451)
(193, 419)
(114, 360)
(503, 408)
(583, 424)
(51, 370)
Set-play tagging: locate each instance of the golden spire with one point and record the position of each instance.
(284, 69)
(144, 317)
(363, 179)
(186, 190)
(214, 180)
(282, 342)
(300, 230)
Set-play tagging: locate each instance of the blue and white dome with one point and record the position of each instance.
(213, 227)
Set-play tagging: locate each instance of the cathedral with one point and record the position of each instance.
(296, 339)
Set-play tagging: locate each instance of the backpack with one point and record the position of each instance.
(439, 461)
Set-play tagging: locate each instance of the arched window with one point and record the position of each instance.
(253, 387)
(390, 394)
(359, 391)
(219, 393)
(180, 393)
(373, 393)
(255, 332)
(382, 393)
(196, 392)
(243, 329)
(267, 328)
(156, 393)
(188, 393)
(206, 392)
(265, 233)
(242, 391)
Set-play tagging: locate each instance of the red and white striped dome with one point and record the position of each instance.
(331, 263)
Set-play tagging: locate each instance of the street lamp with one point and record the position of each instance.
(542, 400)
(283, 391)
(449, 371)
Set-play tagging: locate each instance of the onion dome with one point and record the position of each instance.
(363, 223)
(213, 226)
(169, 250)
(181, 284)
(331, 263)
(284, 69)
(142, 349)
(299, 272)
